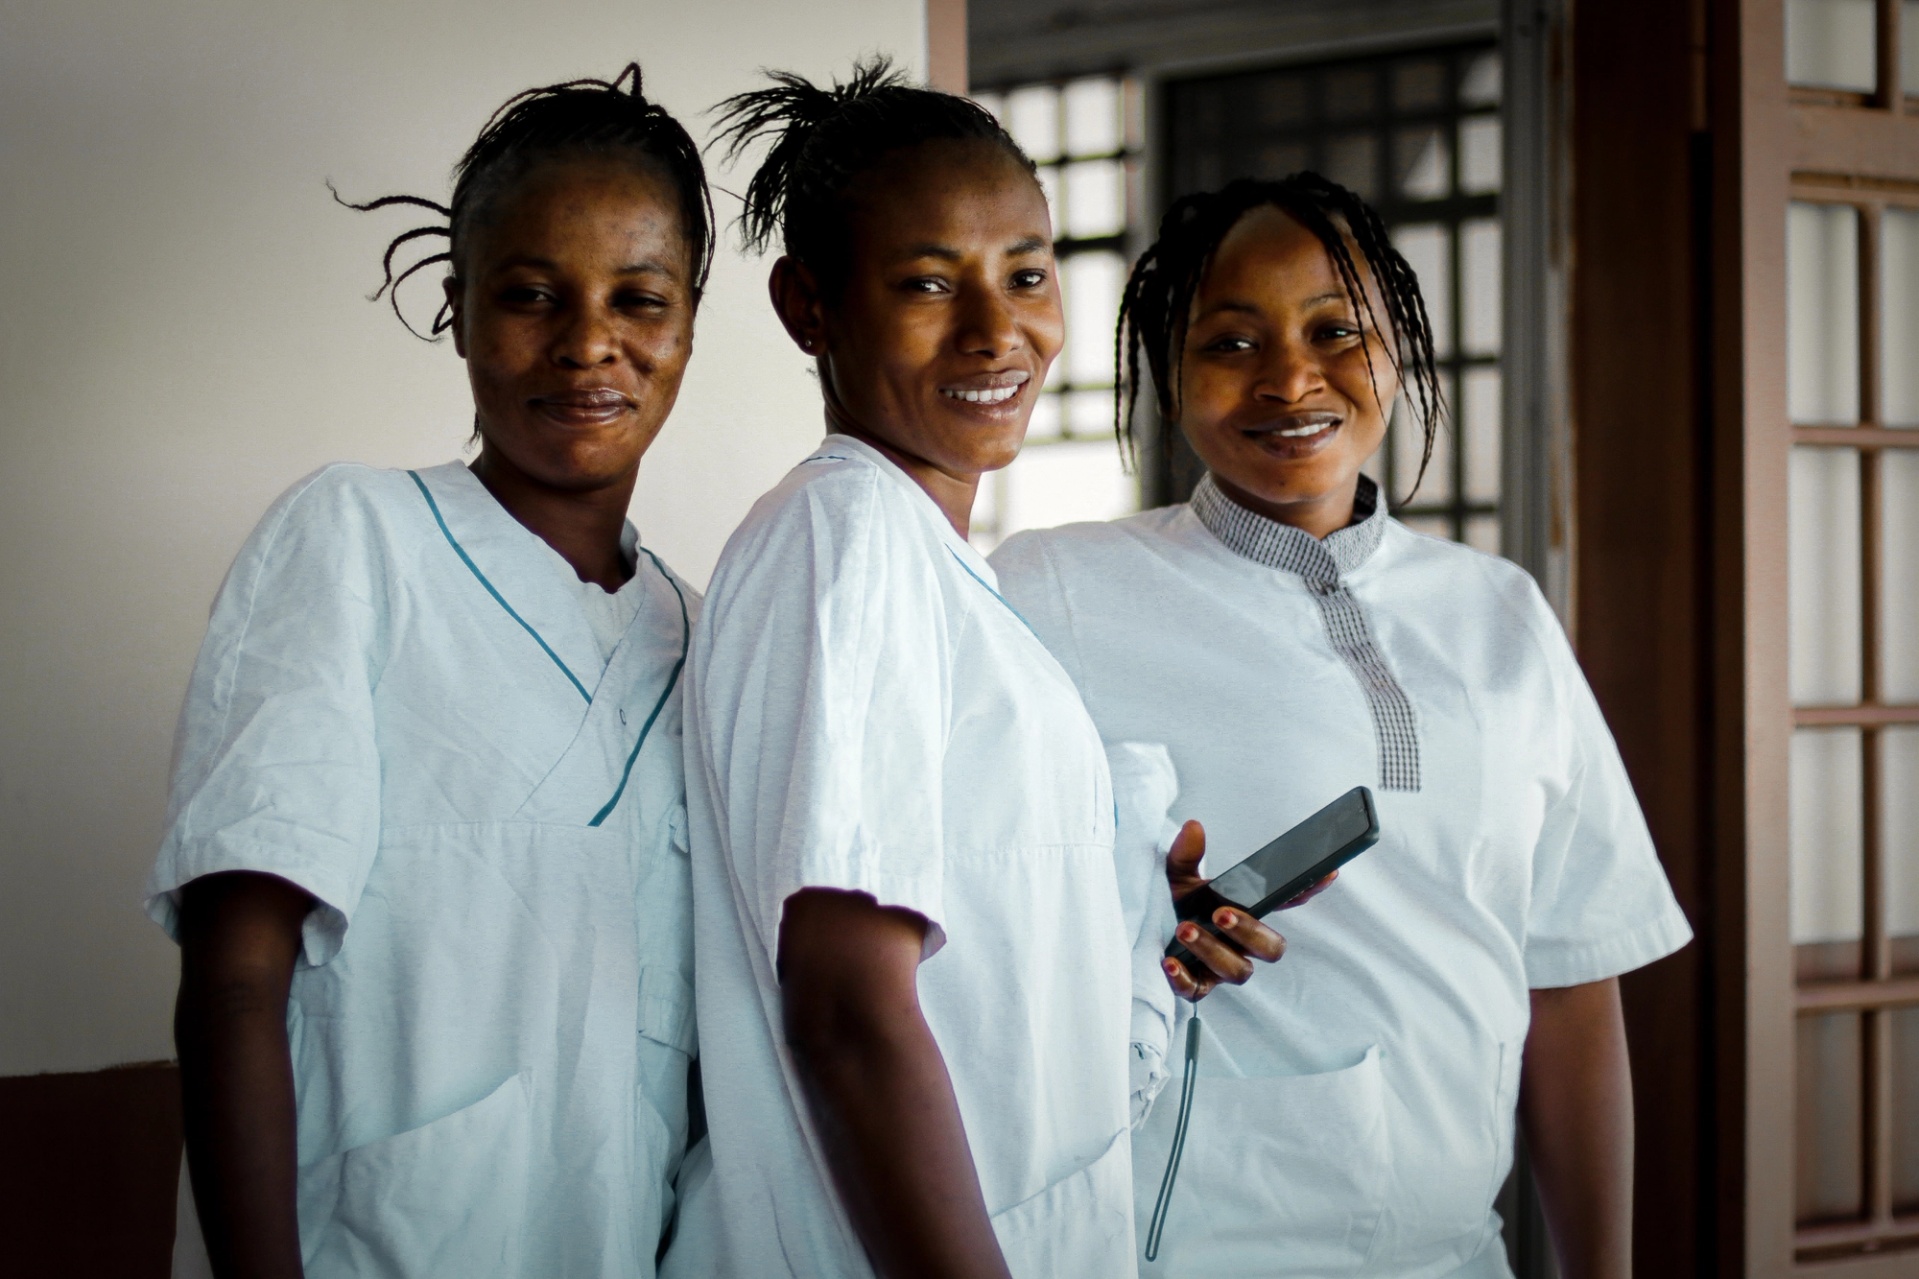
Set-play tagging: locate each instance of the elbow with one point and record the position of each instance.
(841, 1032)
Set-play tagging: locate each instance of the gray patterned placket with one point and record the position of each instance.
(1323, 565)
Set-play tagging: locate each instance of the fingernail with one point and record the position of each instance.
(1188, 933)
(1227, 919)
(1171, 967)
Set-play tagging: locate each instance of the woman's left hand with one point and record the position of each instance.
(1228, 957)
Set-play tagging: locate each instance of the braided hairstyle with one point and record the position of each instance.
(1158, 301)
(823, 139)
(576, 117)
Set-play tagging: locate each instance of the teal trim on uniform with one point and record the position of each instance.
(990, 591)
(686, 636)
(497, 597)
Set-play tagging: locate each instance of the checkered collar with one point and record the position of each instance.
(1267, 541)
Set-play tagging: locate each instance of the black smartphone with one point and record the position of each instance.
(1284, 868)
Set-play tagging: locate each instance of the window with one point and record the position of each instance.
(1852, 398)
(1084, 136)
(1417, 135)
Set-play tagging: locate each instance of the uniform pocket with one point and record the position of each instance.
(445, 1199)
(666, 1009)
(1281, 1174)
(1077, 1228)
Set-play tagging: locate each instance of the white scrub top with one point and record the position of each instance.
(865, 713)
(403, 707)
(1358, 1097)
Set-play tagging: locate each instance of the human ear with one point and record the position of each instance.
(797, 301)
(455, 290)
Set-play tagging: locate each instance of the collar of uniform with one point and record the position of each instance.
(1267, 541)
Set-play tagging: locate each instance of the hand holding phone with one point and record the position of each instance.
(1282, 870)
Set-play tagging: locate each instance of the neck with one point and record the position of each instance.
(1320, 515)
(583, 526)
(953, 494)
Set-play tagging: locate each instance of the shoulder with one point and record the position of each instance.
(834, 529)
(1090, 549)
(1483, 581)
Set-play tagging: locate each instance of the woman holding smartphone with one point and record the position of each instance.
(425, 854)
(1288, 640)
(914, 969)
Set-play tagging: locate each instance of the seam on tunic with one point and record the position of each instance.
(1323, 565)
(672, 681)
(497, 597)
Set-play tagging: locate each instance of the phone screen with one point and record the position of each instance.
(1296, 852)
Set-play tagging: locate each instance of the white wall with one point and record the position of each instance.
(184, 332)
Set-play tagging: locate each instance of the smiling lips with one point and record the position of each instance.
(1295, 426)
(989, 389)
(585, 406)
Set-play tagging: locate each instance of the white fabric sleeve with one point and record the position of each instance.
(1601, 904)
(1145, 784)
(821, 677)
(276, 765)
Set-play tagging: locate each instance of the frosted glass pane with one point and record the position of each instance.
(1089, 413)
(996, 107)
(1479, 158)
(1831, 44)
(1479, 280)
(1428, 250)
(1823, 568)
(1909, 47)
(1899, 829)
(1479, 87)
(1092, 283)
(1479, 419)
(1353, 162)
(1482, 533)
(1899, 575)
(1407, 441)
(1422, 163)
(1899, 306)
(1829, 1118)
(1419, 86)
(1032, 117)
(1828, 885)
(1095, 198)
(1822, 313)
(1092, 117)
(1064, 483)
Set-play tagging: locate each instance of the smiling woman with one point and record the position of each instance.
(425, 856)
(908, 923)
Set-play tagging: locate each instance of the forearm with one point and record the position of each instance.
(884, 1108)
(236, 1077)
(1577, 1113)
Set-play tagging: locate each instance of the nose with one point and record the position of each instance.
(1290, 373)
(987, 324)
(586, 340)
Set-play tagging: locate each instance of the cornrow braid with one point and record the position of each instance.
(1158, 301)
(823, 139)
(587, 116)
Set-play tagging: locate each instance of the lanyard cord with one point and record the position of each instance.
(1186, 1084)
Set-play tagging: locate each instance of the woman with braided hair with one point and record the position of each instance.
(425, 854)
(915, 959)
(1288, 640)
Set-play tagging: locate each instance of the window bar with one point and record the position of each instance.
(1891, 93)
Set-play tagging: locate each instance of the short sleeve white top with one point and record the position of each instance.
(1368, 1081)
(866, 713)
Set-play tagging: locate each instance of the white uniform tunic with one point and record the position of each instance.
(865, 713)
(1356, 1101)
(410, 706)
